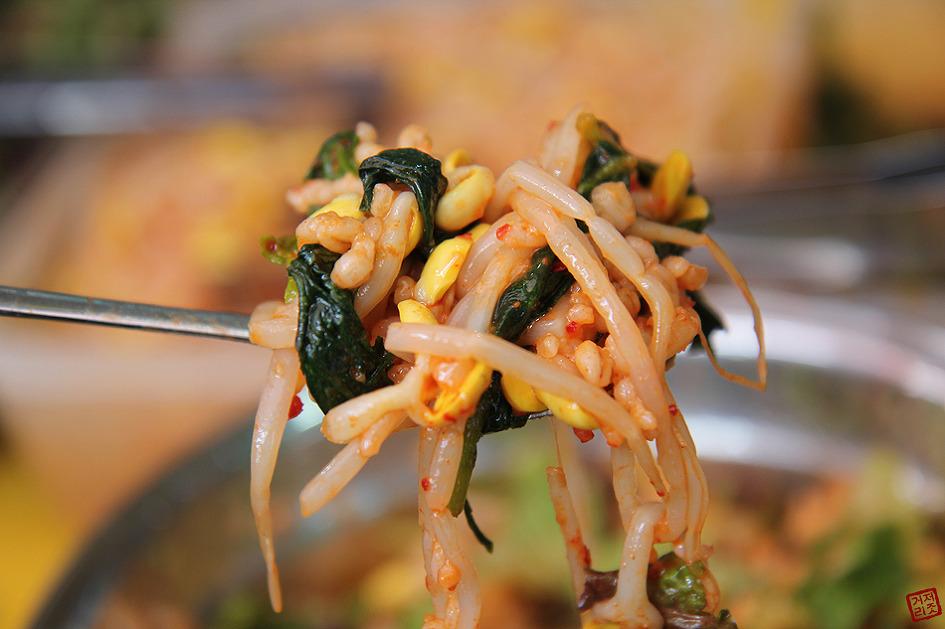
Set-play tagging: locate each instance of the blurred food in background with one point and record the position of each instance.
(145, 147)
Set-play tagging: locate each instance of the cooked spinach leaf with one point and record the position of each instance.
(335, 158)
(676, 590)
(413, 168)
(610, 161)
(672, 587)
(531, 296)
(606, 162)
(671, 584)
(477, 532)
(526, 299)
(337, 359)
(493, 413)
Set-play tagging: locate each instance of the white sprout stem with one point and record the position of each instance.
(433, 556)
(345, 465)
(565, 240)
(274, 324)
(508, 358)
(444, 466)
(389, 254)
(474, 310)
(612, 243)
(271, 418)
(349, 419)
(575, 550)
(654, 231)
(698, 491)
(562, 155)
(630, 604)
(569, 460)
(624, 469)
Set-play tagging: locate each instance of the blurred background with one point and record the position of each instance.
(145, 146)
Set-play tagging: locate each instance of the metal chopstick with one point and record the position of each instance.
(38, 304)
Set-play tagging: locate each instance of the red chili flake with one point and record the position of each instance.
(584, 435)
(660, 493)
(673, 409)
(584, 553)
(516, 304)
(271, 245)
(295, 407)
(558, 266)
(502, 231)
(425, 483)
(572, 327)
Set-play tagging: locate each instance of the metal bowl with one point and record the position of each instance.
(844, 379)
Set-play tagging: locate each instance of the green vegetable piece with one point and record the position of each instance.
(493, 413)
(676, 590)
(413, 168)
(675, 619)
(337, 359)
(480, 536)
(671, 584)
(606, 162)
(280, 250)
(335, 158)
(524, 300)
(610, 161)
(531, 296)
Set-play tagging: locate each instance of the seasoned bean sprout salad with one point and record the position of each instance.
(429, 292)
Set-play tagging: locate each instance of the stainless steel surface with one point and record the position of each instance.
(37, 304)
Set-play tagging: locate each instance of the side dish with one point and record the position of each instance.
(426, 292)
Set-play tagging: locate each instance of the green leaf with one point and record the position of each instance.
(412, 168)
(521, 303)
(335, 158)
(671, 584)
(531, 296)
(493, 414)
(338, 361)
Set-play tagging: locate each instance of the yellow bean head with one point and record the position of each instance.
(465, 202)
(521, 395)
(441, 269)
(343, 205)
(455, 159)
(670, 184)
(453, 405)
(412, 311)
(567, 411)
